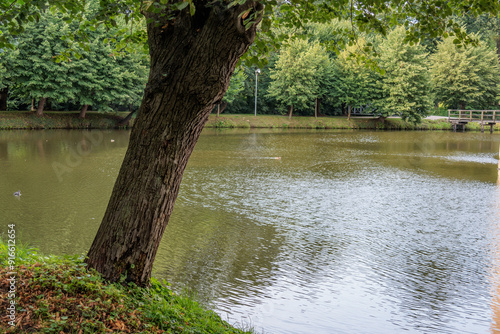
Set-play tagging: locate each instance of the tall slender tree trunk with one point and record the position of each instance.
(126, 119)
(39, 109)
(4, 92)
(349, 112)
(32, 104)
(290, 112)
(221, 107)
(497, 40)
(316, 108)
(83, 111)
(192, 60)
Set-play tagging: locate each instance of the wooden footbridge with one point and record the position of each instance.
(460, 118)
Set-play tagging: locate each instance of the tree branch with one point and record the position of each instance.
(12, 4)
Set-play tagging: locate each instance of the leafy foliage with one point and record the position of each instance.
(429, 19)
(96, 74)
(236, 85)
(465, 76)
(37, 74)
(406, 88)
(300, 75)
(356, 84)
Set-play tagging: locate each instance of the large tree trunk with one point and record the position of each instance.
(41, 103)
(4, 92)
(192, 60)
(83, 111)
(290, 112)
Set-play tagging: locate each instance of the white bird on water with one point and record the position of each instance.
(17, 193)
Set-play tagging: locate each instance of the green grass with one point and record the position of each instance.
(57, 294)
(338, 122)
(301, 122)
(58, 120)
(70, 120)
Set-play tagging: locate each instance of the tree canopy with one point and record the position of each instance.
(464, 77)
(34, 68)
(422, 19)
(405, 85)
(46, 64)
(356, 84)
(300, 75)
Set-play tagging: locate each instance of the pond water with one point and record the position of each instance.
(293, 231)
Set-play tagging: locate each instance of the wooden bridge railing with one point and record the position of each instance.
(483, 116)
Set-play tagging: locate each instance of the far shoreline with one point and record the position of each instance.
(23, 120)
(435, 123)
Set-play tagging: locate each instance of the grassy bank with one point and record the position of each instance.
(57, 120)
(298, 122)
(70, 120)
(58, 295)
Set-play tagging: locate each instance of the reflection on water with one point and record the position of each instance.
(348, 232)
(65, 178)
(495, 249)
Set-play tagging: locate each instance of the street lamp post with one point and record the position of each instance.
(257, 72)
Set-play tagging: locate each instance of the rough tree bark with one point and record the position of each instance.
(41, 103)
(192, 60)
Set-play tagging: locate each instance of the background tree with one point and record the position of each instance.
(236, 86)
(406, 83)
(34, 68)
(356, 84)
(133, 74)
(104, 78)
(464, 77)
(92, 75)
(5, 77)
(95, 74)
(300, 75)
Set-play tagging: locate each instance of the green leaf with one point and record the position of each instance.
(192, 8)
(181, 5)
